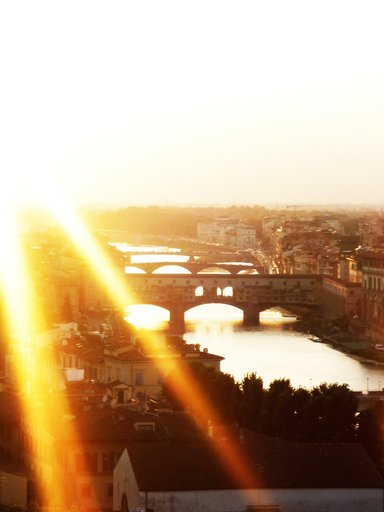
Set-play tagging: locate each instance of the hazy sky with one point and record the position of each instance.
(212, 102)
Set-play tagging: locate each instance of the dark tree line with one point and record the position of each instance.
(326, 413)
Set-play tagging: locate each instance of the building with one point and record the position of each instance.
(350, 268)
(26, 453)
(373, 293)
(229, 232)
(342, 300)
(138, 365)
(286, 477)
(90, 457)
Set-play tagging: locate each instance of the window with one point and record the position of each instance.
(91, 461)
(145, 427)
(199, 292)
(109, 461)
(139, 378)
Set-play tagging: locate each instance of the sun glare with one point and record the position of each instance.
(147, 316)
(231, 455)
(92, 253)
(24, 320)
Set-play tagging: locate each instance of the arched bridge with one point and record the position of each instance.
(251, 293)
(193, 267)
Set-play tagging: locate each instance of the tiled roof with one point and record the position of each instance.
(106, 425)
(131, 355)
(274, 464)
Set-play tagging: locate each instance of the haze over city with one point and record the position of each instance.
(193, 103)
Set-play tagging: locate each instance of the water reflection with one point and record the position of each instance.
(275, 349)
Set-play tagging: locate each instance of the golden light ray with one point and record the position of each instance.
(232, 457)
(188, 391)
(23, 321)
(146, 316)
(103, 269)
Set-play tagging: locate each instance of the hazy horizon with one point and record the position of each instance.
(203, 104)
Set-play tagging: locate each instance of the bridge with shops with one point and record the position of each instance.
(252, 293)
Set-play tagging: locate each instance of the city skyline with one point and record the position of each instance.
(214, 103)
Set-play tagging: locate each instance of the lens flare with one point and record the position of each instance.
(104, 270)
(31, 361)
(23, 322)
(231, 455)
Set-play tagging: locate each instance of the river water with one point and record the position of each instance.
(276, 349)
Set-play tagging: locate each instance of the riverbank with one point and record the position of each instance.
(353, 344)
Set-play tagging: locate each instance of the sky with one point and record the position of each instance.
(117, 103)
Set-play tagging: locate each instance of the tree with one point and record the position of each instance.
(251, 401)
(336, 409)
(275, 406)
(219, 389)
(370, 431)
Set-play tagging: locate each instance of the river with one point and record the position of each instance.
(276, 349)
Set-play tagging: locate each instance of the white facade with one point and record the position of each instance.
(227, 231)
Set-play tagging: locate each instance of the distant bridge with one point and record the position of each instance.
(194, 267)
(252, 293)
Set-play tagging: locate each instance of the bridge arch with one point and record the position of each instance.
(232, 312)
(214, 270)
(146, 315)
(248, 271)
(171, 269)
(130, 269)
(220, 304)
(251, 293)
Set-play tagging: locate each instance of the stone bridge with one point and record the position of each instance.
(195, 267)
(252, 293)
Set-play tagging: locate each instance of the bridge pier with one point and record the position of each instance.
(251, 315)
(176, 320)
